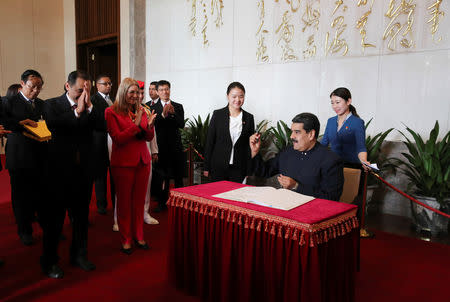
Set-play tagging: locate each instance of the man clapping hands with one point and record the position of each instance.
(70, 118)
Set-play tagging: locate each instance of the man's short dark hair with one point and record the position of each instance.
(309, 121)
(155, 83)
(102, 75)
(163, 83)
(30, 72)
(74, 75)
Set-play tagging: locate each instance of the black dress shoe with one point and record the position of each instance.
(26, 239)
(127, 251)
(101, 211)
(83, 263)
(53, 271)
(144, 246)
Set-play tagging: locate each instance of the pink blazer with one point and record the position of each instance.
(127, 149)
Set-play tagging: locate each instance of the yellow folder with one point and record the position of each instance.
(39, 133)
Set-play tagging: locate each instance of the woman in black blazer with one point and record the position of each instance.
(227, 150)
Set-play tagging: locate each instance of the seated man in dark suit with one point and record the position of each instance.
(70, 118)
(306, 167)
(101, 100)
(168, 122)
(25, 157)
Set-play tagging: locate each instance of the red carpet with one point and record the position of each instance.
(392, 268)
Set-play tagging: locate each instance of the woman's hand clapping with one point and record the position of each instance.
(151, 119)
(138, 118)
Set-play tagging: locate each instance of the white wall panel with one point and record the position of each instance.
(413, 91)
(359, 75)
(159, 36)
(32, 36)
(404, 86)
(261, 95)
(295, 87)
(245, 41)
(428, 43)
(187, 53)
(211, 90)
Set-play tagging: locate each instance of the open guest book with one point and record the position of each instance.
(39, 133)
(282, 199)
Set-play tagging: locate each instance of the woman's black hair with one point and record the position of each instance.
(345, 94)
(235, 85)
(13, 90)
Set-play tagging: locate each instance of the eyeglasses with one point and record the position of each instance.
(105, 84)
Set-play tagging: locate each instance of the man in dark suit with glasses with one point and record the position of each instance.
(25, 157)
(101, 100)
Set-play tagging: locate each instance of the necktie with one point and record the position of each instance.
(108, 100)
(32, 103)
(74, 106)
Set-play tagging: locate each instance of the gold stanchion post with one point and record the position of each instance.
(190, 166)
(364, 232)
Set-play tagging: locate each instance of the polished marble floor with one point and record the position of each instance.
(402, 226)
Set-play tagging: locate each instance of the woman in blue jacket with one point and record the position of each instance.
(345, 132)
(346, 135)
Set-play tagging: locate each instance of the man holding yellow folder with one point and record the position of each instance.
(25, 157)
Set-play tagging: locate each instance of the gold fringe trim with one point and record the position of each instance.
(312, 234)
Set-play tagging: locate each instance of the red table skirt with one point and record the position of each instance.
(226, 260)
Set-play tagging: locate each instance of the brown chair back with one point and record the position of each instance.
(352, 178)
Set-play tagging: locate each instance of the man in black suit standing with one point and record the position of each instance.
(157, 179)
(25, 157)
(70, 118)
(168, 122)
(101, 101)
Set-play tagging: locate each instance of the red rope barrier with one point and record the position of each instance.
(386, 183)
(198, 153)
(409, 197)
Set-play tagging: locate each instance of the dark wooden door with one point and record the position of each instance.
(97, 24)
(100, 57)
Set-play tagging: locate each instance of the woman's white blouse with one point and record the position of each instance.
(235, 132)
